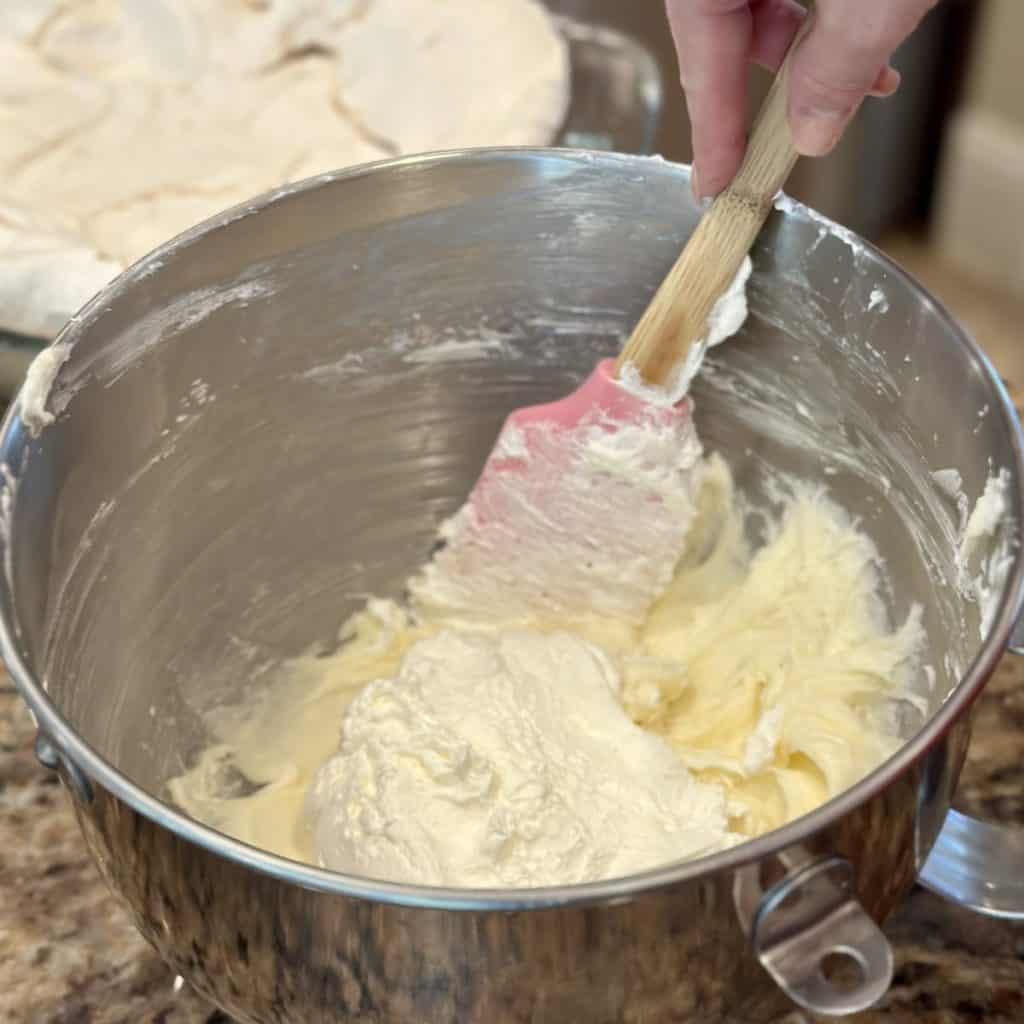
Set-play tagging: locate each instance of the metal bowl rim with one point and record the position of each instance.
(52, 724)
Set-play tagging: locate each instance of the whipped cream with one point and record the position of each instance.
(506, 761)
(216, 102)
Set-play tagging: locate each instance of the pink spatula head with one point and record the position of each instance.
(582, 509)
(598, 406)
(584, 506)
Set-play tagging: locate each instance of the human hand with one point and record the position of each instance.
(843, 59)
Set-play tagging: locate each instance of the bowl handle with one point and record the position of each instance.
(50, 756)
(978, 866)
(809, 923)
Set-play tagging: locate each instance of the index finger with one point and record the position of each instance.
(717, 41)
(714, 41)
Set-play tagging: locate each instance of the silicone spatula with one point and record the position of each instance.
(583, 507)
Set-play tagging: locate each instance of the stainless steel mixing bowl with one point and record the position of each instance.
(265, 421)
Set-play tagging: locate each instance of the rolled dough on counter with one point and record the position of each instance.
(124, 122)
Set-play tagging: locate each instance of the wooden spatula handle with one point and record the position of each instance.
(678, 315)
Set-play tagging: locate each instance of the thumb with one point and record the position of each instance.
(843, 59)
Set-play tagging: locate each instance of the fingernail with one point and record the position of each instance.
(695, 184)
(704, 199)
(816, 133)
(888, 83)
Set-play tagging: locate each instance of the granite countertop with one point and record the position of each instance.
(69, 955)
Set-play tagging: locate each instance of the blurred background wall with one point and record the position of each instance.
(979, 220)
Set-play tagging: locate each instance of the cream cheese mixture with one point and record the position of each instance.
(433, 750)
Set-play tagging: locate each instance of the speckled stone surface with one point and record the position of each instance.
(69, 955)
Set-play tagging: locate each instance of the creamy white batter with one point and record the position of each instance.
(770, 676)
